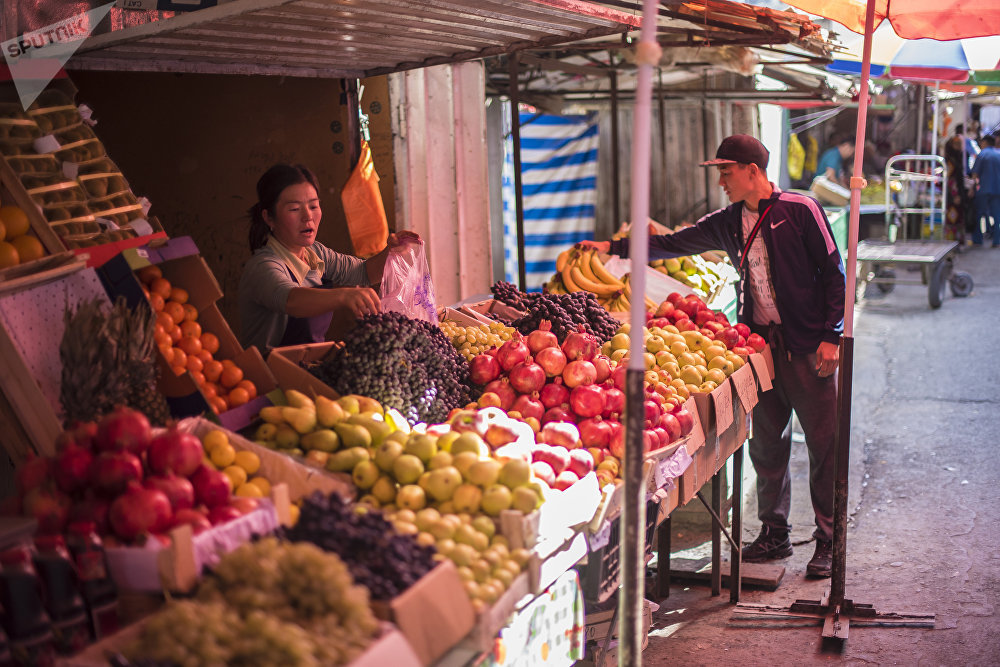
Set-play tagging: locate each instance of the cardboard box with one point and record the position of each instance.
(598, 623)
(715, 410)
(434, 614)
(285, 364)
(491, 307)
(166, 5)
(560, 557)
(557, 518)
(496, 616)
(460, 318)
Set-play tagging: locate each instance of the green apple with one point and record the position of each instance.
(422, 445)
(445, 546)
(464, 554)
(426, 518)
(466, 573)
(467, 498)
(484, 473)
(387, 453)
(384, 489)
(469, 441)
(464, 461)
(407, 468)
(504, 576)
(465, 534)
(496, 499)
(521, 556)
(365, 474)
(485, 525)
(443, 482)
(481, 570)
(440, 460)
(426, 539)
(443, 529)
(525, 499)
(445, 440)
(515, 473)
(411, 497)
(368, 500)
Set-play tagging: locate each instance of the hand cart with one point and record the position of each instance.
(917, 188)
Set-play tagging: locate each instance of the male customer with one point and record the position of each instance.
(987, 173)
(792, 293)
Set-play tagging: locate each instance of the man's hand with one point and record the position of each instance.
(600, 246)
(827, 357)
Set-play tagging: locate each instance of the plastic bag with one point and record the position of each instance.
(796, 157)
(406, 283)
(363, 207)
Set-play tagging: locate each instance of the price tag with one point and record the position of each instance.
(746, 387)
(141, 227)
(70, 170)
(722, 398)
(47, 144)
(601, 537)
(669, 469)
(760, 368)
(145, 204)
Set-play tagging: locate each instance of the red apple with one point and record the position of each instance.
(707, 333)
(722, 319)
(743, 329)
(728, 336)
(686, 325)
(662, 436)
(664, 309)
(703, 317)
(757, 342)
(674, 298)
(670, 424)
(650, 441)
(685, 419)
(658, 322)
(716, 327)
(543, 471)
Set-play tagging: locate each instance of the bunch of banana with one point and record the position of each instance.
(627, 293)
(617, 302)
(584, 270)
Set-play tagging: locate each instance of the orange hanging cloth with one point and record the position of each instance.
(363, 207)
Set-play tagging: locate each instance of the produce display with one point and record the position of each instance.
(409, 365)
(266, 603)
(133, 484)
(188, 349)
(17, 244)
(583, 270)
(565, 312)
(380, 559)
(704, 276)
(471, 340)
(107, 360)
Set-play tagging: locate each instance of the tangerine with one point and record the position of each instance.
(180, 358)
(194, 365)
(212, 370)
(249, 386)
(168, 353)
(190, 312)
(197, 376)
(28, 247)
(8, 255)
(175, 310)
(160, 286)
(191, 346)
(191, 329)
(161, 337)
(178, 370)
(155, 301)
(164, 320)
(14, 220)
(148, 274)
(208, 389)
(179, 294)
(204, 355)
(219, 404)
(175, 333)
(231, 376)
(238, 396)
(210, 342)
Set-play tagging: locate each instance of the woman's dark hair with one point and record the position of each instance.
(269, 189)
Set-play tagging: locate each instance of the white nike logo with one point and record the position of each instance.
(775, 225)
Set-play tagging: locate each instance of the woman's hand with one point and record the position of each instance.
(403, 236)
(361, 301)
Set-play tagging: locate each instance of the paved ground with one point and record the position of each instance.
(924, 533)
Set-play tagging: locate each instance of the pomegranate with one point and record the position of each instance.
(603, 367)
(178, 490)
(244, 505)
(80, 433)
(561, 433)
(542, 338)
(618, 376)
(174, 451)
(513, 352)
(617, 444)
(223, 514)
(587, 400)
(557, 414)
(554, 394)
(595, 432)
(651, 412)
(94, 510)
(529, 406)
(140, 510)
(198, 521)
(72, 467)
(111, 472)
(48, 507)
(579, 373)
(484, 369)
(211, 487)
(580, 345)
(124, 428)
(502, 389)
(527, 377)
(614, 402)
(552, 360)
(32, 473)
(671, 425)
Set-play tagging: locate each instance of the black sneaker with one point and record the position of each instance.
(769, 545)
(822, 561)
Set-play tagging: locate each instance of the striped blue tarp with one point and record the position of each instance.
(559, 190)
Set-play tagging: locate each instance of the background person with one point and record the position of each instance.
(792, 290)
(292, 285)
(987, 173)
(831, 162)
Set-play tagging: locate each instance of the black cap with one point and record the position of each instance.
(740, 149)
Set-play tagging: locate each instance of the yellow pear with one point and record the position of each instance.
(322, 439)
(272, 414)
(297, 399)
(301, 419)
(328, 411)
(350, 404)
(353, 435)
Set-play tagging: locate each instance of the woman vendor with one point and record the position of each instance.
(292, 286)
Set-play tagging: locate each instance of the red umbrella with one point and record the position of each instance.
(913, 19)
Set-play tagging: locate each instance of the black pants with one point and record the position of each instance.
(814, 399)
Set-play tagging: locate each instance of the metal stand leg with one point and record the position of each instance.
(663, 559)
(716, 534)
(736, 557)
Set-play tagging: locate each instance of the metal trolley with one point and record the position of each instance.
(915, 185)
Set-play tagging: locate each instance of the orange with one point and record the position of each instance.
(155, 301)
(168, 353)
(208, 389)
(8, 255)
(218, 404)
(238, 396)
(197, 376)
(180, 358)
(210, 342)
(205, 356)
(193, 362)
(212, 371)
(175, 311)
(14, 220)
(231, 376)
(164, 320)
(179, 294)
(28, 247)
(161, 337)
(191, 329)
(190, 312)
(148, 274)
(160, 286)
(175, 333)
(249, 386)
(191, 346)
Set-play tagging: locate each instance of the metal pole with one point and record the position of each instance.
(515, 126)
(633, 533)
(704, 140)
(353, 119)
(663, 148)
(616, 179)
(920, 118)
